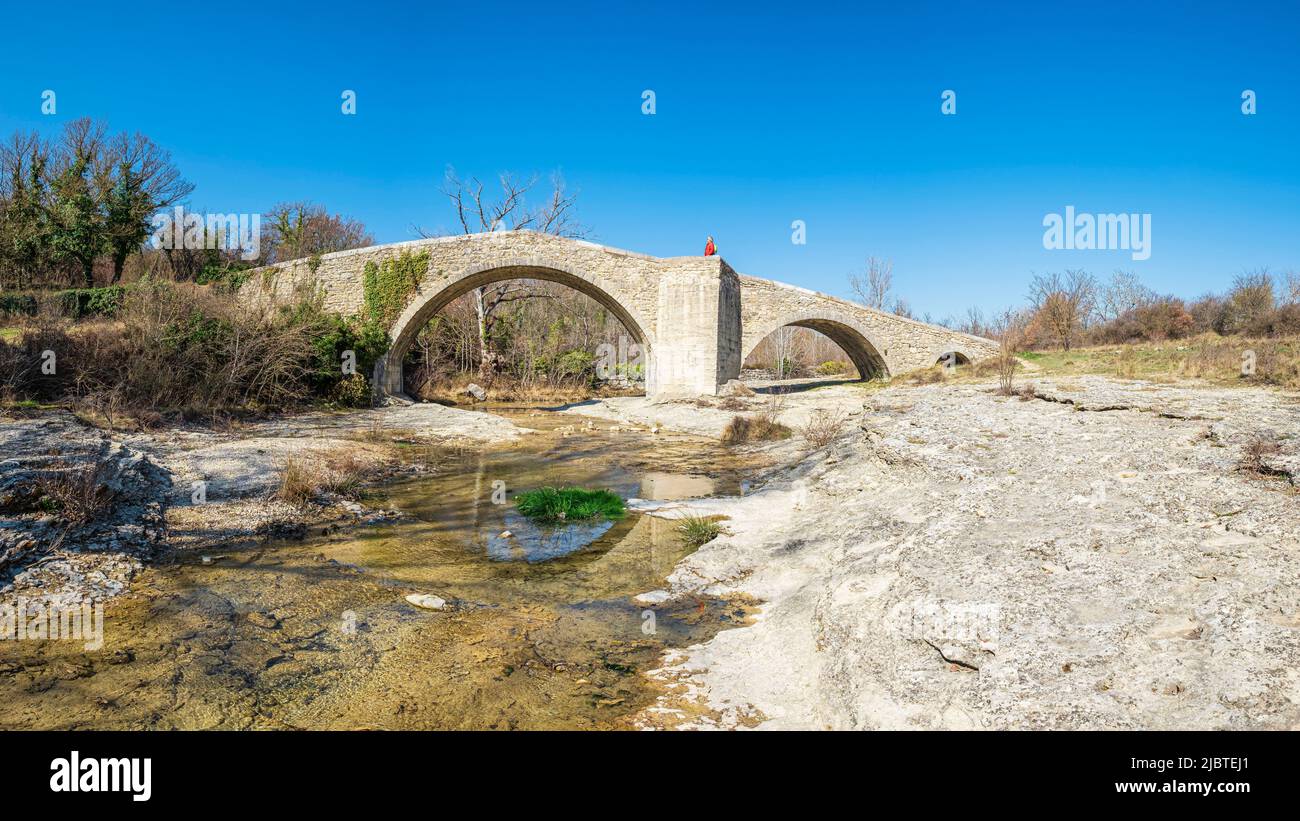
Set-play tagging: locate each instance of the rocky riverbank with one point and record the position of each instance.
(187, 487)
(1099, 555)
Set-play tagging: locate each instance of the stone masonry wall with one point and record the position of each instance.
(696, 316)
(904, 344)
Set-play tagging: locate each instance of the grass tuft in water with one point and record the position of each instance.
(566, 504)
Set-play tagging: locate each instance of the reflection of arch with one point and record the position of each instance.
(427, 303)
(849, 335)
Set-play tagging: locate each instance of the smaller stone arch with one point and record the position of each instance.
(960, 357)
(853, 338)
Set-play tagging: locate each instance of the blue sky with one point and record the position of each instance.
(765, 115)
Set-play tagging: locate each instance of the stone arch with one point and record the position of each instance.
(851, 336)
(437, 293)
(963, 358)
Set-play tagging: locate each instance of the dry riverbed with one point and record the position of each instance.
(1100, 554)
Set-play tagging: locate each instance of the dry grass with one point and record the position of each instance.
(504, 388)
(1218, 360)
(743, 429)
(175, 347)
(308, 477)
(823, 427)
(927, 376)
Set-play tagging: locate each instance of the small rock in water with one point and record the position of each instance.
(211, 559)
(427, 601)
(476, 392)
(506, 534)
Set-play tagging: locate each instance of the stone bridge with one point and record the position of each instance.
(695, 318)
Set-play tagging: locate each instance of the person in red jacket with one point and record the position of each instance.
(709, 248)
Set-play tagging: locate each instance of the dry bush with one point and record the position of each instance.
(174, 347)
(1006, 362)
(1027, 392)
(79, 493)
(21, 360)
(305, 478)
(1256, 450)
(1277, 362)
(743, 429)
(823, 427)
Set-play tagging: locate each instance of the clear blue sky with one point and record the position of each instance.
(765, 114)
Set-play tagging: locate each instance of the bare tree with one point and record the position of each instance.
(1291, 288)
(1063, 305)
(478, 213)
(974, 323)
(873, 286)
(1009, 329)
(1124, 293)
(1251, 299)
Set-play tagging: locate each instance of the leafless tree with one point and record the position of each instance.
(1009, 329)
(1291, 288)
(478, 212)
(873, 286)
(1124, 293)
(974, 323)
(1063, 305)
(1251, 299)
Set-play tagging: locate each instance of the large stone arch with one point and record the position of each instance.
(852, 336)
(436, 294)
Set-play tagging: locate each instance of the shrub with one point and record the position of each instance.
(80, 303)
(823, 427)
(78, 494)
(182, 347)
(832, 367)
(352, 391)
(1254, 453)
(576, 363)
(18, 304)
(743, 429)
(697, 530)
(549, 504)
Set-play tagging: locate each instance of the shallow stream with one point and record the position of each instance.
(540, 632)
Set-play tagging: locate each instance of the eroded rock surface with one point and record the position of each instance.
(965, 560)
(43, 552)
